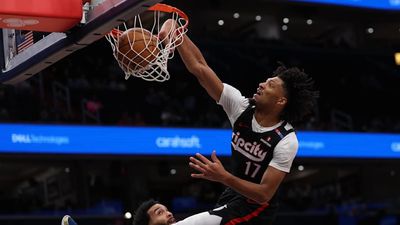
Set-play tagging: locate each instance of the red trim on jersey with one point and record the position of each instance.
(249, 216)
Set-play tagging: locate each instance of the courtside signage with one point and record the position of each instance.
(348, 145)
(50, 139)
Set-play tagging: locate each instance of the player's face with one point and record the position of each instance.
(159, 215)
(270, 92)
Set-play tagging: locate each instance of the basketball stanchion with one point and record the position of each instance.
(140, 52)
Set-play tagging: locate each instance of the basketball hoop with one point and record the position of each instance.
(150, 60)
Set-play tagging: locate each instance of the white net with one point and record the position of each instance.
(139, 50)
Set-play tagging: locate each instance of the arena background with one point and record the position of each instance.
(349, 50)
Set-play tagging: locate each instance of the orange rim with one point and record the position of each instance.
(169, 9)
(115, 32)
(162, 8)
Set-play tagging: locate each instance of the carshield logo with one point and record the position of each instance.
(178, 142)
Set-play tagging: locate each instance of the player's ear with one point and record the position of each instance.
(282, 101)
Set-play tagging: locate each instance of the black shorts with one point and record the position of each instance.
(241, 211)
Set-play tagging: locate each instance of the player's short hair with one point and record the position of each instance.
(300, 93)
(141, 216)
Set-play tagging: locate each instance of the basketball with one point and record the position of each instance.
(137, 48)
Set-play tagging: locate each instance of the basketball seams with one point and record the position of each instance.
(138, 49)
(128, 49)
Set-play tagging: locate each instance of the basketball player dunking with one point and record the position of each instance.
(264, 143)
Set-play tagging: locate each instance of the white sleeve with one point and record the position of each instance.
(284, 153)
(204, 218)
(233, 102)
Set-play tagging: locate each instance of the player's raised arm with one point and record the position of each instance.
(197, 65)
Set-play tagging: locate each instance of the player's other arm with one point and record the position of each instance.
(284, 154)
(196, 64)
(259, 192)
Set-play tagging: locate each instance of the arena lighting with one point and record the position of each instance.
(221, 22)
(370, 30)
(258, 18)
(309, 21)
(284, 27)
(300, 168)
(285, 20)
(397, 58)
(128, 215)
(236, 15)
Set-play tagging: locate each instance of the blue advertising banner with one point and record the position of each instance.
(348, 145)
(373, 4)
(52, 139)
(111, 140)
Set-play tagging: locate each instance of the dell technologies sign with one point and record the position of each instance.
(49, 139)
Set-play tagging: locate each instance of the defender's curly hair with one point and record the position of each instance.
(141, 216)
(301, 95)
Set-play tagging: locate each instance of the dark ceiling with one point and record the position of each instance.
(328, 21)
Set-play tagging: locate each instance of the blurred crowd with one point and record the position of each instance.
(359, 194)
(358, 91)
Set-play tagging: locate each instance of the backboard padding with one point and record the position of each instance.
(55, 46)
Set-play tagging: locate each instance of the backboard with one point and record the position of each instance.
(26, 53)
